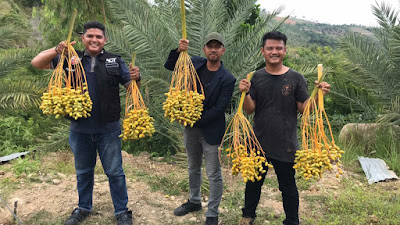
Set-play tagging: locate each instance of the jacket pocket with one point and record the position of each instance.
(113, 75)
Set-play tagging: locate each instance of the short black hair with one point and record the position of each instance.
(94, 24)
(275, 35)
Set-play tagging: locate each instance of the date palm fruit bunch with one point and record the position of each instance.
(183, 106)
(184, 101)
(137, 122)
(64, 101)
(249, 164)
(52, 102)
(243, 149)
(67, 94)
(318, 152)
(79, 102)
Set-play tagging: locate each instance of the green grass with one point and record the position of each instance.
(169, 185)
(46, 218)
(303, 184)
(65, 167)
(354, 206)
(4, 8)
(25, 166)
(386, 146)
(271, 182)
(8, 186)
(233, 202)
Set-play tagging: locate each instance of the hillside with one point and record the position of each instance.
(305, 33)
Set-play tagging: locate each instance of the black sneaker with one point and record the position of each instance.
(186, 208)
(124, 218)
(77, 216)
(211, 221)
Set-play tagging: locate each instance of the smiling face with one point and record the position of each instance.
(273, 51)
(214, 50)
(94, 40)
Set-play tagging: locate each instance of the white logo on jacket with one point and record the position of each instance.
(111, 60)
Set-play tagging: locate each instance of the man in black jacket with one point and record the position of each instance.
(205, 136)
(99, 132)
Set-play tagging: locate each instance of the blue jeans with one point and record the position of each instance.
(108, 145)
(196, 148)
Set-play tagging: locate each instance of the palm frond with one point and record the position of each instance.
(373, 66)
(10, 36)
(198, 13)
(145, 32)
(21, 94)
(393, 115)
(232, 28)
(350, 97)
(375, 62)
(387, 17)
(153, 30)
(13, 58)
(273, 14)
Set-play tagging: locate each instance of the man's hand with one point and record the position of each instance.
(326, 88)
(62, 46)
(43, 59)
(183, 45)
(134, 72)
(244, 85)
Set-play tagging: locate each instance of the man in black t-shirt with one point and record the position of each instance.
(276, 93)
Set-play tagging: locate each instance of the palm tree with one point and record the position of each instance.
(13, 92)
(376, 61)
(153, 29)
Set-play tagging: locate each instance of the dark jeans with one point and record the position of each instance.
(85, 147)
(287, 185)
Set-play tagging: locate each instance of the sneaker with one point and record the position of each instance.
(186, 208)
(77, 216)
(246, 221)
(211, 221)
(124, 218)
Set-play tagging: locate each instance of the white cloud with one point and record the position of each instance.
(333, 11)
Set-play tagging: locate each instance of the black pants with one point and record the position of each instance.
(287, 185)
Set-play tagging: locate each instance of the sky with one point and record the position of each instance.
(336, 12)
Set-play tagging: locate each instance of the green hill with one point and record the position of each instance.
(305, 33)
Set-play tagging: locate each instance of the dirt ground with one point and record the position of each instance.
(57, 194)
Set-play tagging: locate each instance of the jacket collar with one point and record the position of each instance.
(86, 53)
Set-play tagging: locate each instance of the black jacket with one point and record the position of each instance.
(218, 96)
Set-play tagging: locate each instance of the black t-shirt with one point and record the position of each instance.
(275, 120)
(205, 76)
